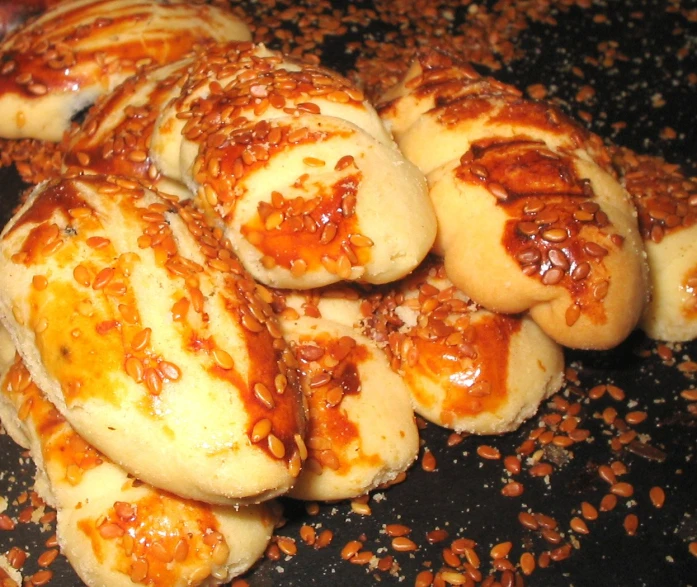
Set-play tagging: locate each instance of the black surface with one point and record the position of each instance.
(463, 494)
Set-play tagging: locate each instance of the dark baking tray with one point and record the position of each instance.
(463, 494)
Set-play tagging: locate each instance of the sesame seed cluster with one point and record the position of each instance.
(663, 194)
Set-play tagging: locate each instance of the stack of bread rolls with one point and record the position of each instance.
(228, 295)
(530, 217)
(154, 350)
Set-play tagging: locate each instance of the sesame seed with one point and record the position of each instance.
(403, 544)
(223, 359)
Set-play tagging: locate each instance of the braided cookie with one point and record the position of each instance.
(667, 204)
(361, 429)
(467, 369)
(140, 325)
(114, 530)
(289, 157)
(530, 217)
(115, 134)
(58, 64)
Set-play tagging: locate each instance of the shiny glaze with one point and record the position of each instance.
(453, 344)
(292, 241)
(89, 344)
(471, 385)
(556, 232)
(333, 439)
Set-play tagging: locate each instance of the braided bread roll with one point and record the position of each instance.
(142, 329)
(114, 530)
(667, 204)
(530, 217)
(58, 64)
(288, 157)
